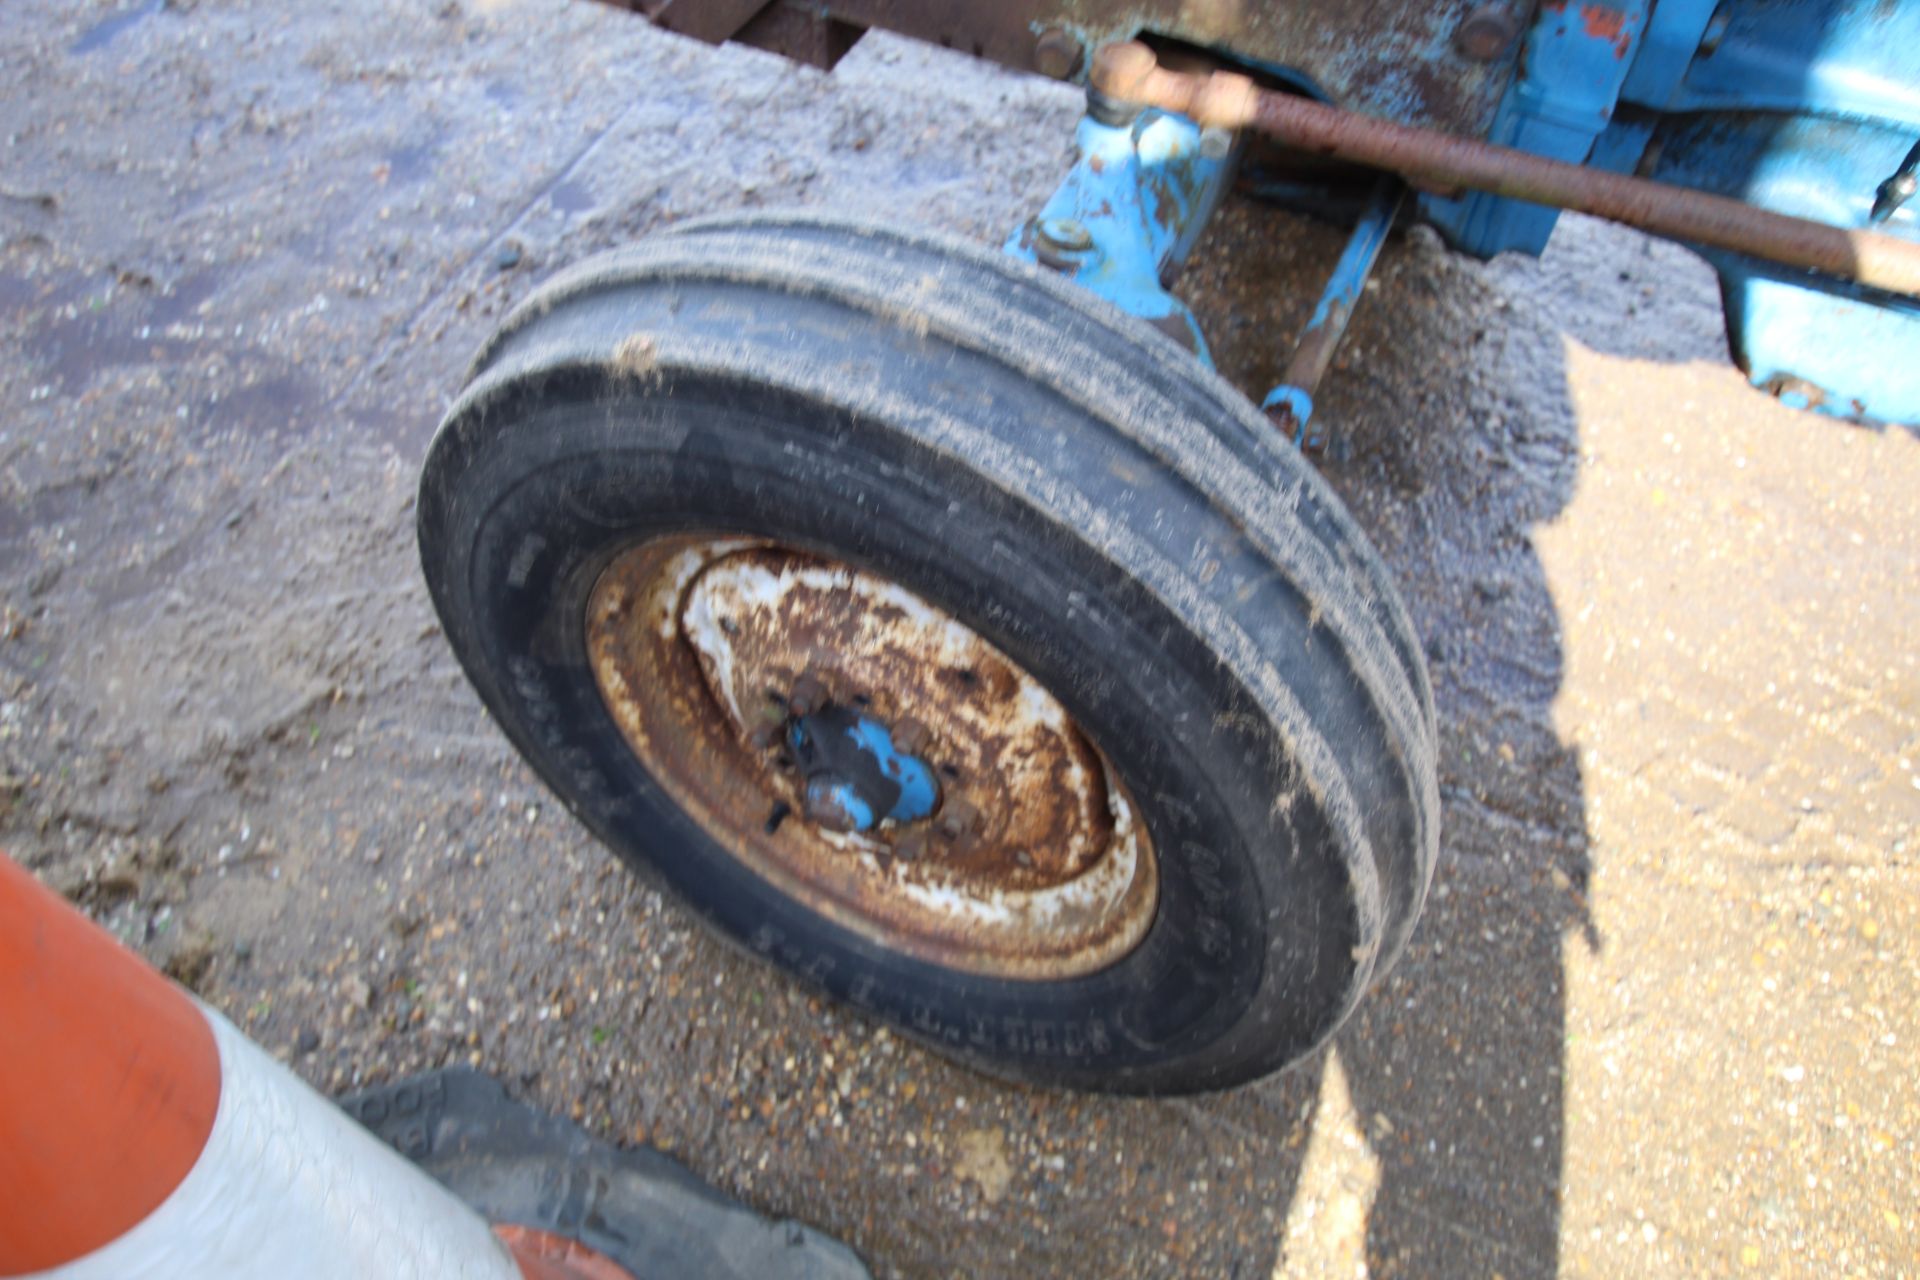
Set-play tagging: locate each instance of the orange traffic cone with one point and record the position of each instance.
(142, 1135)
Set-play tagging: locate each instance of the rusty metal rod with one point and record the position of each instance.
(1130, 73)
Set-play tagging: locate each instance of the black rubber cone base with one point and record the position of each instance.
(514, 1164)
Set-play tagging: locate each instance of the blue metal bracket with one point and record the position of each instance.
(1801, 107)
(1816, 344)
(1849, 58)
(1129, 212)
(1576, 59)
(1809, 109)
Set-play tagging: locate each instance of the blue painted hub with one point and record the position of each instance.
(855, 776)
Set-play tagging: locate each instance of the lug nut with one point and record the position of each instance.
(770, 726)
(1487, 33)
(1067, 235)
(958, 820)
(1056, 54)
(809, 695)
(1063, 244)
(912, 737)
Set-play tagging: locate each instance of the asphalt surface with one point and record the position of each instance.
(1658, 1018)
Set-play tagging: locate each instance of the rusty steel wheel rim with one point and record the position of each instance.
(708, 650)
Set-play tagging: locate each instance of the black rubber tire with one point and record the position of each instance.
(1064, 480)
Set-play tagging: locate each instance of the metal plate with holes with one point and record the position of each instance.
(1034, 865)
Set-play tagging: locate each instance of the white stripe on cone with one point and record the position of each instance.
(289, 1188)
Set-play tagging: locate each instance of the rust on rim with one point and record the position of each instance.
(1035, 864)
(546, 1255)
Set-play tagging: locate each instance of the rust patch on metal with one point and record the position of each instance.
(1601, 22)
(1035, 866)
(545, 1255)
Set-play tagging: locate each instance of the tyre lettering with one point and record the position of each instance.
(530, 683)
(817, 969)
(1216, 939)
(1097, 1036)
(928, 1023)
(1172, 804)
(520, 568)
(1204, 866)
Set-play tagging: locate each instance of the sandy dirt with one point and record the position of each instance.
(1658, 1019)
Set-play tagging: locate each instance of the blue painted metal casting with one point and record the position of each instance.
(856, 777)
(1809, 57)
(1129, 211)
(1827, 346)
(1804, 107)
(1808, 108)
(1576, 58)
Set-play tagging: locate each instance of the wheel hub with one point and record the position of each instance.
(856, 776)
(872, 756)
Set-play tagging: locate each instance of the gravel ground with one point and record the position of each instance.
(1658, 1018)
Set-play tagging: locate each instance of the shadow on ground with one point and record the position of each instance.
(1440, 1128)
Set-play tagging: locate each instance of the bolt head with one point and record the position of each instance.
(809, 694)
(1057, 54)
(912, 737)
(1121, 70)
(824, 805)
(1063, 235)
(1066, 233)
(958, 820)
(1486, 35)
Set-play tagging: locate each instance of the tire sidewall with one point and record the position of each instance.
(1249, 960)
